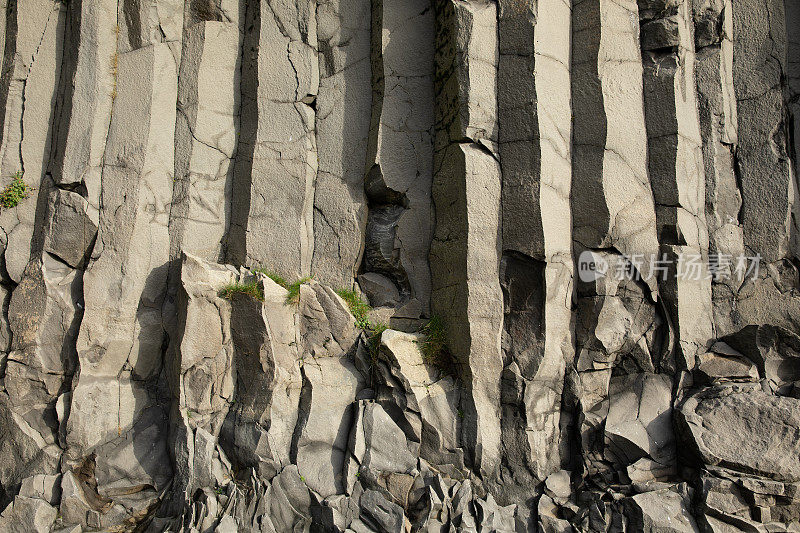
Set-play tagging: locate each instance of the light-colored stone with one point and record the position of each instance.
(280, 225)
(28, 515)
(33, 59)
(661, 511)
(466, 248)
(205, 139)
(612, 199)
(332, 384)
(342, 126)
(675, 162)
(535, 130)
(764, 171)
(399, 152)
(639, 422)
(96, 75)
(43, 487)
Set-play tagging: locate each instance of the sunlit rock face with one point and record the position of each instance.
(399, 265)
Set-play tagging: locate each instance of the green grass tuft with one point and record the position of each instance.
(277, 278)
(251, 289)
(374, 339)
(434, 345)
(358, 307)
(16, 191)
(294, 290)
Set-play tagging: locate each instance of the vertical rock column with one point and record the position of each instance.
(612, 201)
(769, 213)
(280, 224)
(675, 161)
(535, 130)
(122, 333)
(44, 309)
(342, 123)
(399, 153)
(465, 253)
(205, 138)
(759, 68)
(793, 36)
(34, 41)
(92, 99)
(613, 214)
(716, 104)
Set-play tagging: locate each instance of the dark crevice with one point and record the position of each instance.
(385, 205)
(9, 53)
(590, 214)
(303, 410)
(133, 22)
(235, 245)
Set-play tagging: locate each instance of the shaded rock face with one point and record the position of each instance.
(576, 223)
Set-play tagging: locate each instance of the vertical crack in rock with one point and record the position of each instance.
(675, 163)
(399, 153)
(342, 128)
(465, 252)
(241, 184)
(284, 167)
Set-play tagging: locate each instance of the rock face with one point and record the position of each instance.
(399, 265)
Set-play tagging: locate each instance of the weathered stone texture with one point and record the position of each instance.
(342, 125)
(387, 266)
(465, 254)
(280, 225)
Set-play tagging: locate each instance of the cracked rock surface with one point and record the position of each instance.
(576, 224)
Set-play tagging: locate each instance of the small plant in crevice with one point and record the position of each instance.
(294, 288)
(251, 289)
(358, 307)
(374, 340)
(434, 344)
(114, 72)
(15, 192)
(277, 278)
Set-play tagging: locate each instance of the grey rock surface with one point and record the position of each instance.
(399, 266)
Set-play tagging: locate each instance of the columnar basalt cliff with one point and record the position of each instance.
(400, 265)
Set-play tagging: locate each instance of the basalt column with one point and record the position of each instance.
(342, 121)
(466, 250)
(675, 164)
(768, 215)
(619, 324)
(535, 141)
(716, 104)
(399, 153)
(279, 233)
